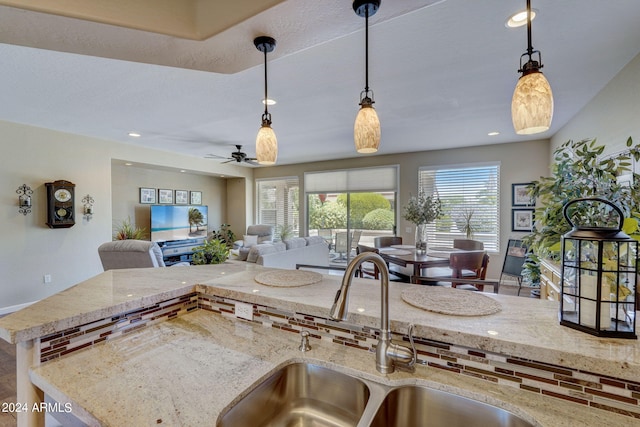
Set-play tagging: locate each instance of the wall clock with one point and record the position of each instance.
(60, 204)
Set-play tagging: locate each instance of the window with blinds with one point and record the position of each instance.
(278, 202)
(470, 197)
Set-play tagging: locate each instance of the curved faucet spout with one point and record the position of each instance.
(386, 352)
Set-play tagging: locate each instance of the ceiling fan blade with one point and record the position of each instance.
(230, 160)
(215, 156)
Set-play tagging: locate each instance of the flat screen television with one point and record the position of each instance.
(178, 222)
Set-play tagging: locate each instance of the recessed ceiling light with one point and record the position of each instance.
(519, 19)
(494, 133)
(270, 101)
(182, 171)
(134, 134)
(128, 164)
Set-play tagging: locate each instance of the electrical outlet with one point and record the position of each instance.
(244, 311)
(46, 278)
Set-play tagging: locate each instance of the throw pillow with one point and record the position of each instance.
(250, 240)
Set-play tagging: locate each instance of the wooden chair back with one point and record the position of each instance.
(386, 241)
(475, 261)
(364, 270)
(468, 244)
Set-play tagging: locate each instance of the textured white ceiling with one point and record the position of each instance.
(443, 73)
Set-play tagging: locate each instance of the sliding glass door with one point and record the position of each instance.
(365, 207)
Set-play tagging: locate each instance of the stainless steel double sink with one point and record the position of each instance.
(308, 395)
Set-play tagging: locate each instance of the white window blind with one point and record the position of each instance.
(352, 180)
(278, 202)
(464, 190)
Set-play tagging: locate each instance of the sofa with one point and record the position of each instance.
(131, 254)
(297, 250)
(256, 234)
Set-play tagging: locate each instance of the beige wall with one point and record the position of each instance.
(126, 181)
(612, 116)
(519, 162)
(33, 156)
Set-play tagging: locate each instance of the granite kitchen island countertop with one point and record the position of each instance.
(221, 357)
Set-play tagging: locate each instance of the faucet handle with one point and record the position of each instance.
(413, 346)
(304, 341)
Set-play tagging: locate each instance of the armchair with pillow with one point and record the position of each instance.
(256, 235)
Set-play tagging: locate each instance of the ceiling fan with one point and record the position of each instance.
(237, 156)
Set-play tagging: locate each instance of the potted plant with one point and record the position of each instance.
(224, 235)
(466, 223)
(211, 252)
(579, 170)
(125, 230)
(422, 210)
(284, 232)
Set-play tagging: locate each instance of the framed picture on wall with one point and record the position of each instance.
(182, 197)
(520, 195)
(196, 197)
(522, 219)
(165, 196)
(147, 195)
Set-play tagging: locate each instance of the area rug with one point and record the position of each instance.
(288, 278)
(456, 302)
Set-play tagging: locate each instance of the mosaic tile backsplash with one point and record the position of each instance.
(589, 389)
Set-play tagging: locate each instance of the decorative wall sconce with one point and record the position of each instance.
(24, 199)
(87, 201)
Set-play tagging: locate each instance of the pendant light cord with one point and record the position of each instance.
(529, 47)
(366, 50)
(266, 109)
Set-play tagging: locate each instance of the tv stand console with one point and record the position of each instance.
(175, 251)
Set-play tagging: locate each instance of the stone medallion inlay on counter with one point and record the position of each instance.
(522, 348)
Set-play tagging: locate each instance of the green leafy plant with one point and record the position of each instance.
(379, 219)
(224, 235)
(211, 252)
(423, 209)
(284, 232)
(124, 230)
(579, 170)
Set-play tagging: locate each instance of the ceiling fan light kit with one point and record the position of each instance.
(266, 141)
(366, 129)
(532, 102)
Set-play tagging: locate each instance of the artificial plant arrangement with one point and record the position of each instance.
(124, 230)
(284, 232)
(580, 171)
(423, 209)
(212, 251)
(224, 235)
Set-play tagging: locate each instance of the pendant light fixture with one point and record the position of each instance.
(266, 142)
(532, 103)
(366, 130)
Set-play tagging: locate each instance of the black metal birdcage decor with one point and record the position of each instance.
(599, 272)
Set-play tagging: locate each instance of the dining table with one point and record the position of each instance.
(408, 256)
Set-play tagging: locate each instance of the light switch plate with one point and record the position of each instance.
(244, 310)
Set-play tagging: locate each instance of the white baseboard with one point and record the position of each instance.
(12, 308)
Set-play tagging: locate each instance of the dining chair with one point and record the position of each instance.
(386, 241)
(365, 270)
(468, 244)
(341, 245)
(355, 239)
(462, 265)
